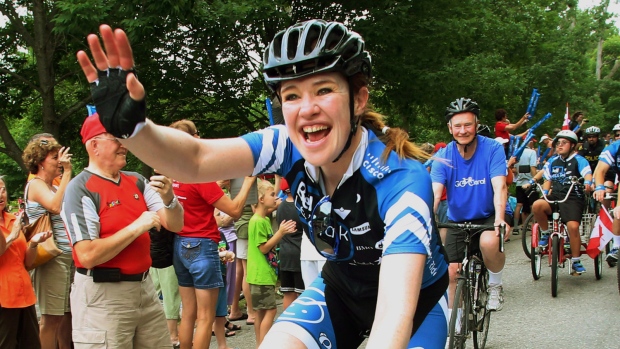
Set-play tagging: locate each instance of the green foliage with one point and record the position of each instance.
(200, 60)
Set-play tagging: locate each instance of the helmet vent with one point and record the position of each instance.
(277, 47)
(293, 41)
(312, 38)
(334, 37)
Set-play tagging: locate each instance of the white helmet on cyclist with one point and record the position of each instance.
(593, 130)
(616, 127)
(568, 135)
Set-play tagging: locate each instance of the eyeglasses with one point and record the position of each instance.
(617, 135)
(331, 238)
(108, 139)
(44, 142)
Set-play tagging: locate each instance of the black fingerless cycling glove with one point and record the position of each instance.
(118, 113)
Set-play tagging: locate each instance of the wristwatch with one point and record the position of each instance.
(172, 203)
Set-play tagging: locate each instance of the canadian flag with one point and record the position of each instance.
(601, 233)
(565, 125)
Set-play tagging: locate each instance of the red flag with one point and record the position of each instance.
(601, 233)
(566, 119)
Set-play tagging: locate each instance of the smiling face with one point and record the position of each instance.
(463, 127)
(316, 113)
(111, 153)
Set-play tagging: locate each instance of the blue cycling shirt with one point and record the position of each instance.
(384, 207)
(468, 182)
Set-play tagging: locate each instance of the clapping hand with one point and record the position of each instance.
(41, 237)
(162, 185)
(287, 227)
(64, 157)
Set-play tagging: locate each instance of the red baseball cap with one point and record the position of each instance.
(284, 185)
(439, 146)
(92, 127)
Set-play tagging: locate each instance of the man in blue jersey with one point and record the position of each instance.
(474, 174)
(609, 161)
(557, 174)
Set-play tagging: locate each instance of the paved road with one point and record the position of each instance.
(582, 316)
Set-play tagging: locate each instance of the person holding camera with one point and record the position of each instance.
(107, 212)
(578, 120)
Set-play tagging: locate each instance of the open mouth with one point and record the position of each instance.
(315, 133)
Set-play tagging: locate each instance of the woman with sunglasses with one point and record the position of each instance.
(364, 199)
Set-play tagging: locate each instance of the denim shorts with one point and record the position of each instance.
(197, 263)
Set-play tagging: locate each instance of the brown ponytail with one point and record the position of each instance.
(395, 139)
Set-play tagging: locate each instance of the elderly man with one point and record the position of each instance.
(107, 213)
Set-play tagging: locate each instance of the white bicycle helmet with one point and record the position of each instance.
(568, 135)
(593, 130)
(616, 127)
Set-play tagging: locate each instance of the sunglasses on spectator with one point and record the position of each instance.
(331, 238)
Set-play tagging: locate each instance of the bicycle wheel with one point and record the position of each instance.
(482, 317)
(526, 234)
(555, 259)
(458, 319)
(535, 256)
(598, 265)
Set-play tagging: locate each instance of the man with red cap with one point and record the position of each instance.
(107, 213)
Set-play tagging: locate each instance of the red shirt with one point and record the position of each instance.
(197, 201)
(91, 201)
(500, 130)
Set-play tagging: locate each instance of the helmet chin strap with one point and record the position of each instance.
(354, 121)
(466, 145)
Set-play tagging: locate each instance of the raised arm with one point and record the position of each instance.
(172, 152)
(234, 207)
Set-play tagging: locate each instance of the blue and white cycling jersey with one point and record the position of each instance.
(385, 206)
(559, 171)
(611, 156)
(468, 182)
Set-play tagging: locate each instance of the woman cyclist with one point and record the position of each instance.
(364, 199)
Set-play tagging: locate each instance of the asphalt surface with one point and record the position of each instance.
(581, 316)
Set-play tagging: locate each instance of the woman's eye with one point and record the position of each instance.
(290, 97)
(324, 91)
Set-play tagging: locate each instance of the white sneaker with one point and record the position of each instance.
(496, 298)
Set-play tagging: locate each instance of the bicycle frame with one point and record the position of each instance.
(471, 274)
(557, 227)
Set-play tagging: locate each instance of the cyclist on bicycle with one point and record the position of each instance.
(557, 174)
(474, 174)
(604, 179)
(362, 196)
(593, 146)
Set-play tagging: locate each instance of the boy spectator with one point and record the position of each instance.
(261, 274)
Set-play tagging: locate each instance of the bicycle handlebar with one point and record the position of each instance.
(573, 181)
(477, 228)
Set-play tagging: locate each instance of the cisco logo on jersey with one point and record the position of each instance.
(374, 166)
(470, 182)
